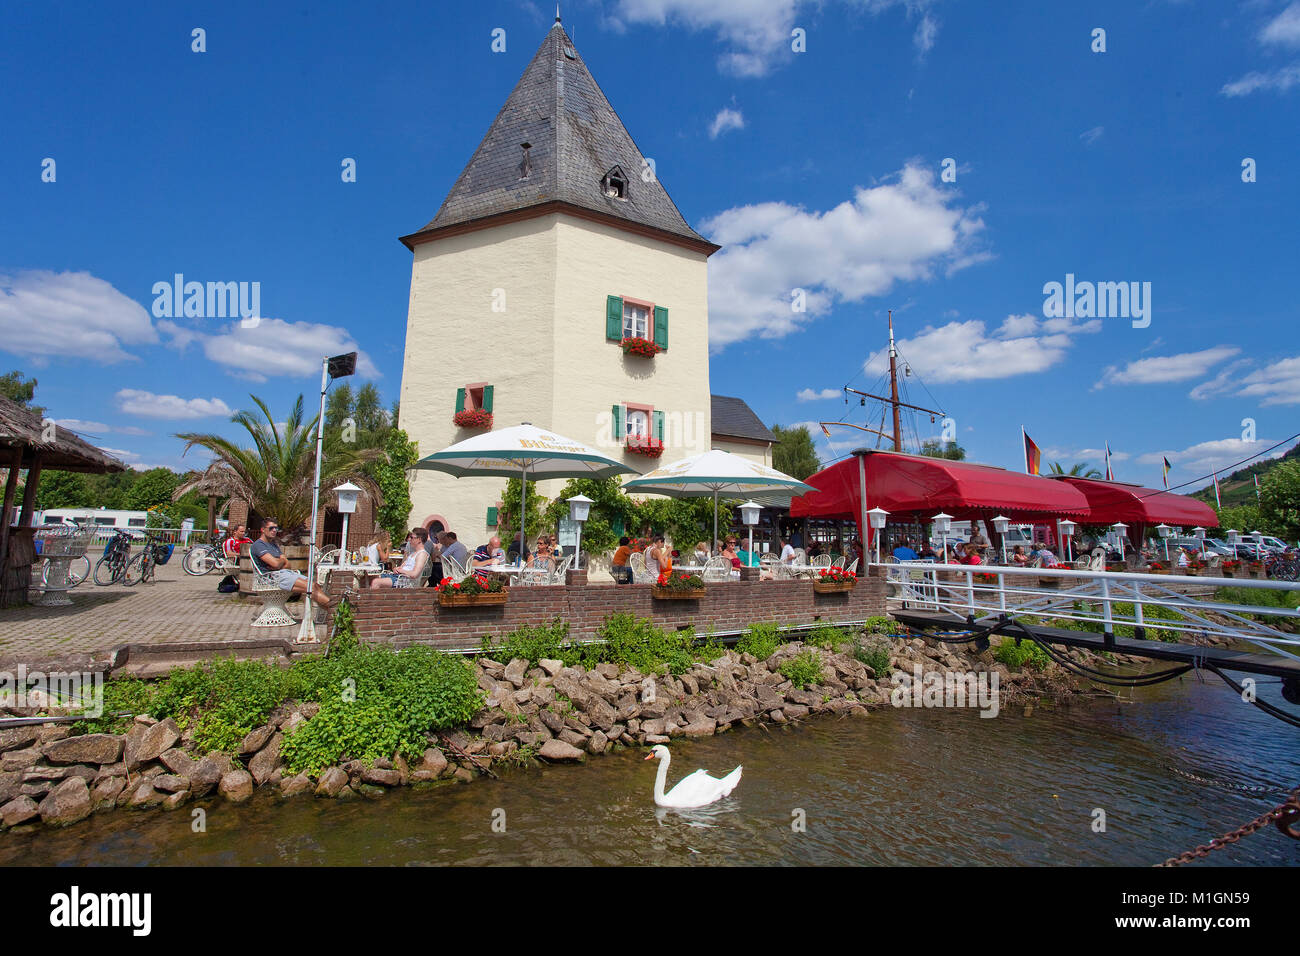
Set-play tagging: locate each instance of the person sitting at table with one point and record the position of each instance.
(377, 551)
(409, 571)
(657, 559)
(970, 555)
(619, 567)
(787, 550)
(729, 552)
(454, 549)
(489, 553)
(544, 556)
(1018, 556)
(235, 542)
(905, 552)
(701, 554)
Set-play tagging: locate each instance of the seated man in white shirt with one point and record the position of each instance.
(408, 573)
(787, 551)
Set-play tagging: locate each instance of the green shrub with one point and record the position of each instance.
(803, 669)
(882, 625)
(1026, 654)
(376, 702)
(826, 636)
(637, 642)
(760, 639)
(228, 698)
(876, 652)
(533, 643)
(125, 695)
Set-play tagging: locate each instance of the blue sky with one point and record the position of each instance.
(817, 170)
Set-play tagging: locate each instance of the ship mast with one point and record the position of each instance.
(893, 384)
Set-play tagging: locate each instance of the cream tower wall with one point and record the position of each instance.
(546, 355)
(761, 454)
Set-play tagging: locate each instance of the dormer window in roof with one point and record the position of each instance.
(526, 164)
(614, 184)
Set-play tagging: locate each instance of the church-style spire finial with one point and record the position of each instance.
(557, 13)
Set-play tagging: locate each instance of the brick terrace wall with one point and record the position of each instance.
(414, 616)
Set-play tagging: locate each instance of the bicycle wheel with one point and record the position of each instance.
(78, 571)
(199, 560)
(134, 570)
(106, 572)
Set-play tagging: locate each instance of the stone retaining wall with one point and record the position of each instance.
(415, 617)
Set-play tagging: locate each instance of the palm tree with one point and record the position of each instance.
(1077, 470)
(276, 476)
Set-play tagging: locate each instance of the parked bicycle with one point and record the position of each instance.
(143, 565)
(110, 568)
(202, 558)
(1284, 566)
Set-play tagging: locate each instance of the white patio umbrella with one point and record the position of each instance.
(527, 451)
(716, 473)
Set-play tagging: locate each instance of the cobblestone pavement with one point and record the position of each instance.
(174, 607)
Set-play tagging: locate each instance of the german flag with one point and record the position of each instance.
(1033, 457)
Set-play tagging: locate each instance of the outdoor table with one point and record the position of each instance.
(360, 570)
(512, 571)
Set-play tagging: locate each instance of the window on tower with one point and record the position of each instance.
(614, 184)
(638, 423)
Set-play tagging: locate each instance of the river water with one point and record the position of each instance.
(898, 787)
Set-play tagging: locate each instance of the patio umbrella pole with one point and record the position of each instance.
(523, 508)
(715, 517)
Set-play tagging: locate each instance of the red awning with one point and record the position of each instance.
(914, 485)
(1138, 507)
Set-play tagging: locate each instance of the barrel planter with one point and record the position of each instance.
(676, 594)
(448, 597)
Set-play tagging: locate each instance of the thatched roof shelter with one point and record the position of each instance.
(65, 451)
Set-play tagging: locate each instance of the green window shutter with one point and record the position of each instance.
(614, 317)
(492, 518)
(661, 327)
(619, 431)
(659, 425)
(487, 398)
(460, 399)
(617, 527)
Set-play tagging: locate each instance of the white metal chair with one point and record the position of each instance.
(557, 575)
(821, 561)
(272, 596)
(639, 573)
(852, 568)
(416, 582)
(838, 562)
(452, 568)
(717, 570)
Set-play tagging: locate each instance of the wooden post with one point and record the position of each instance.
(11, 488)
(29, 491)
(212, 518)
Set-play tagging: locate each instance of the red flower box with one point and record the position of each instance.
(650, 447)
(643, 347)
(473, 418)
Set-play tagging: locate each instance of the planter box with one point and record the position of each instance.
(1049, 583)
(669, 594)
(833, 587)
(452, 599)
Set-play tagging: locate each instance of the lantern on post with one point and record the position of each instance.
(579, 510)
(1199, 532)
(1066, 529)
(749, 517)
(347, 505)
(877, 516)
(1165, 531)
(1119, 528)
(1002, 524)
(943, 524)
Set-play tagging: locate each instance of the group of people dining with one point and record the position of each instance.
(659, 558)
(421, 549)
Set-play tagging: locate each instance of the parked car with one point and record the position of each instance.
(1263, 542)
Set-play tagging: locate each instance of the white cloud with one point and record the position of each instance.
(1274, 384)
(926, 32)
(810, 395)
(726, 119)
(967, 351)
(273, 348)
(1284, 29)
(1092, 135)
(755, 33)
(77, 425)
(1211, 456)
(1162, 369)
(121, 453)
(69, 315)
(898, 231)
(134, 401)
(1279, 80)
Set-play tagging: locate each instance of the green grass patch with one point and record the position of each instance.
(804, 669)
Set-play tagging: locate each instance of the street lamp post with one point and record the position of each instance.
(1165, 531)
(749, 516)
(347, 493)
(579, 509)
(878, 517)
(331, 367)
(1119, 528)
(1001, 524)
(1200, 536)
(942, 524)
(1066, 529)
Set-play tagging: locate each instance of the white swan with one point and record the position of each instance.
(697, 790)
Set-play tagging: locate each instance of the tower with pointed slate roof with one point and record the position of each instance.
(556, 244)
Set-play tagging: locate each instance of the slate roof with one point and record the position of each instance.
(732, 418)
(576, 138)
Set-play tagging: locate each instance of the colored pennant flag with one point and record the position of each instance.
(1166, 471)
(1256, 477)
(1110, 474)
(1033, 457)
(1218, 502)
(826, 431)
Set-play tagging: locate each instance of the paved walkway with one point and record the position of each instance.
(175, 607)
